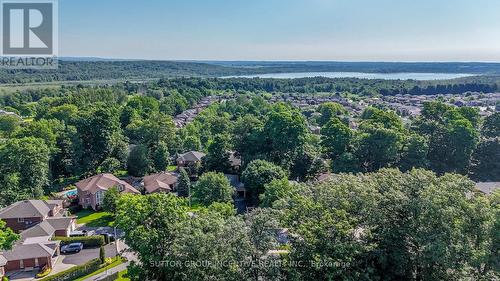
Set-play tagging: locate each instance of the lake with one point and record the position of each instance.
(385, 76)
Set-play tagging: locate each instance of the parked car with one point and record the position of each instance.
(78, 233)
(72, 248)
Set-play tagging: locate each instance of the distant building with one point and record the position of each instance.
(190, 158)
(487, 187)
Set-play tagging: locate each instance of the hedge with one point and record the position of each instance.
(75, 272)
(88, 241)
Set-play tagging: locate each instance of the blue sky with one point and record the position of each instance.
(347, 30)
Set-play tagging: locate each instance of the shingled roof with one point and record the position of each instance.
(25, 209)
(103, 182)
(28, 251)
(161, 182)
(42, 229)
(191, 156)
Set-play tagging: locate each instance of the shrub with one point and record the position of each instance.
(88, 241)
(75, 209)
(75, 272)
(44, 272)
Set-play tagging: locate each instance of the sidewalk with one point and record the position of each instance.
(118, 268)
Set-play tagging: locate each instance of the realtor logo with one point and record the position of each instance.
(29, 30)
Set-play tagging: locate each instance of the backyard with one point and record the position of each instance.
(94, 219)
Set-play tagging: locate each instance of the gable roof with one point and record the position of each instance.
(42, 229)
(25, 209)
(3, 261)
(60, 223)
(28, 251)
(487, 187)
(103, 182)
(191, 156)
(159, 182)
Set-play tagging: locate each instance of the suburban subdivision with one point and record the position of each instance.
(233, 140)
(135, 180)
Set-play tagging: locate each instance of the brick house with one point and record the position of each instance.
(91, 190)
(28, 213)
(27, 257)
(161, 182)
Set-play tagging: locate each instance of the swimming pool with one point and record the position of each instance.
(71, 193)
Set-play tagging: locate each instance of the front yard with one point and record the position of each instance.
(94, 219)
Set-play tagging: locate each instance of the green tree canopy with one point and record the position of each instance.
(138, 163)
(259, 173)
(213, 187)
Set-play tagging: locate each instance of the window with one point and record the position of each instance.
(99, 197)
(20, 219)
(121, 187)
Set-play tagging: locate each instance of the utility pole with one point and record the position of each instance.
(116, 243)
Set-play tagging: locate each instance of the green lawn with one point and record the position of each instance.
(94, 219)
(102, 269)
(122, 276)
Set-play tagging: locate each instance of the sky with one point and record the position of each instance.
(278, 30)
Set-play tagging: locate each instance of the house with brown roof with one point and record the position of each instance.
(190, 158)
(91, 190)
(160, 182)
(28, 213)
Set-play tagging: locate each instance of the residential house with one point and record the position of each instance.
(25, 214)
(190, 158)
(51, 227)
(160, 182)
(239, 187)
(27, 257)
(91, 190)
(38, 221)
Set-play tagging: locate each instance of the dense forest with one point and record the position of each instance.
(81, 70)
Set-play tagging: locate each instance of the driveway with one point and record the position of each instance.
(22, 276)
(67, 261)
(100, 230)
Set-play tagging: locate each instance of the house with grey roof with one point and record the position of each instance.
(27, 257)
(91, 190)
(190, 158)
(28, 213)
(487, 187)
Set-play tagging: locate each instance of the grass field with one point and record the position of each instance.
(94, 219)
